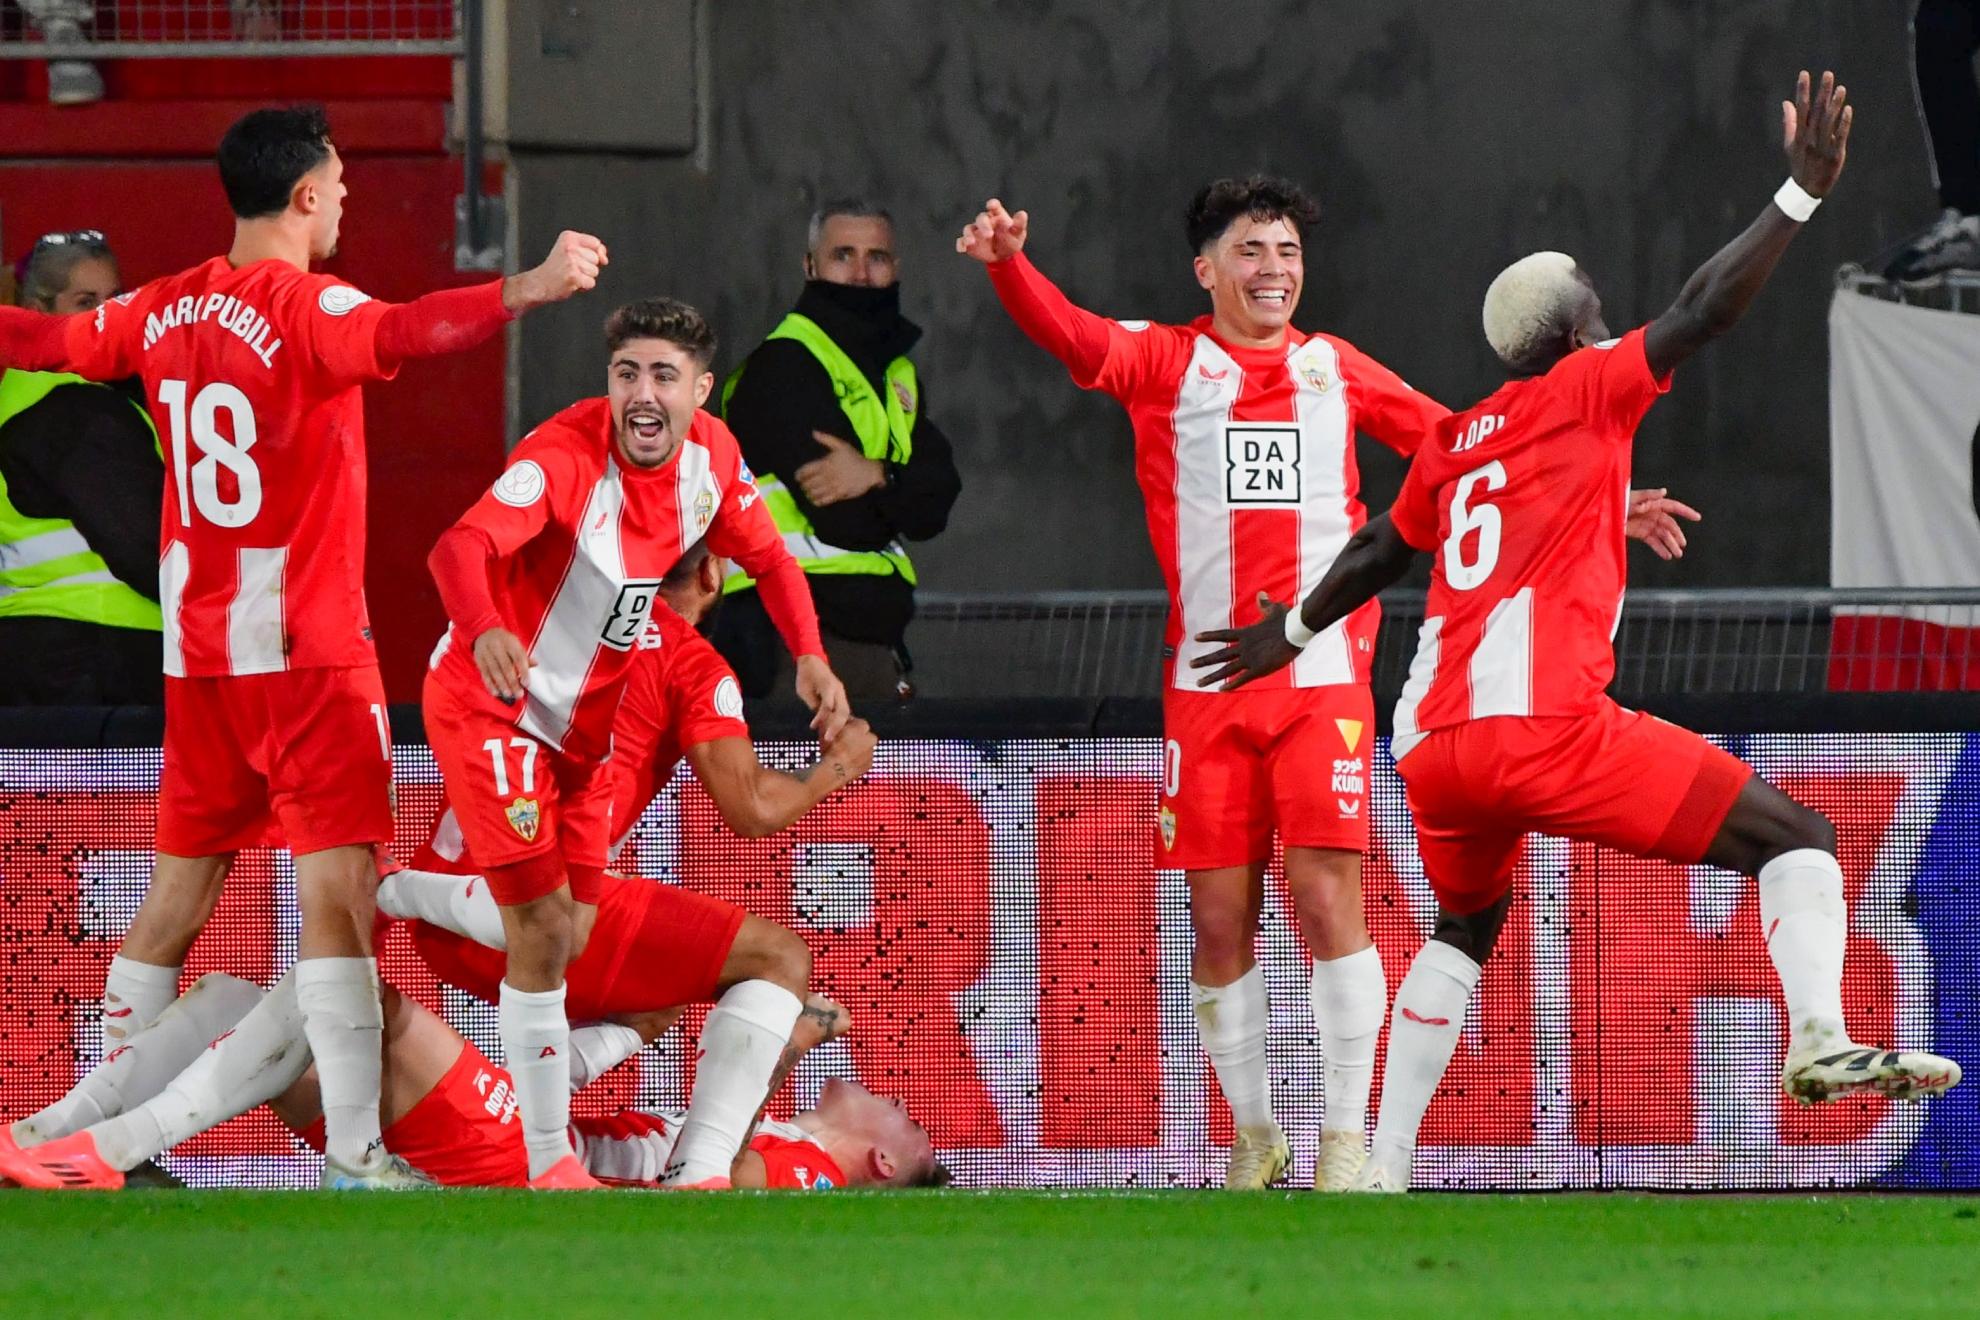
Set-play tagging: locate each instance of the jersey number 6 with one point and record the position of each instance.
(199, 487)
(1466, 518)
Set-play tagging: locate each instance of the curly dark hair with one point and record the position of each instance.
(266, 152)
(662, 318)
(1262, 197)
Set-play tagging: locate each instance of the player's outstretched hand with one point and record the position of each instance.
(1249, 653)
(504, 663)
(819, 688)
(1653, 520)
(571, 268)
(1815, 133)
(995, 234)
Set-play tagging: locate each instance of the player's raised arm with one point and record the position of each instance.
(1069, 333)
(1374, 558)
(1815, 135)
(757, 801)
(454, 320)
(98, 345)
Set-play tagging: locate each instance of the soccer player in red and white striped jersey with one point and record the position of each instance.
(1244, 433)
(275, 717)
(1504, 727)
(548, 582)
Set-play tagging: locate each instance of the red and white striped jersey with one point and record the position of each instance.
(253, 378)
(582, 543)
(1523, 500)
(1246, 462)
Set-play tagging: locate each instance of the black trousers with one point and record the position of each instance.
(59, 662)
(1945, 36)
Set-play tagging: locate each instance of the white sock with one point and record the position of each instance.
(1350, 999)
(1423, 1032)
(460, 903)
(1806, 925)
(740, 1045)
(146, 1063)
(255, 1062)
(345, 1021)
(597, 1049)
(134, 994)
(1231, 1021)
(536, 1040)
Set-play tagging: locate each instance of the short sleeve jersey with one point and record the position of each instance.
(1246, 462)
(252, 376)
(1522, 500)
(581, 543)
(680, 693)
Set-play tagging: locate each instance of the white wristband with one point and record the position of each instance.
(1796, 202)
(1296, 630)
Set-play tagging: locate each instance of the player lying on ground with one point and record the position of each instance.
(1244, 431)
(656, 944)
(1504, 729)
(445, 1107)
(548, 581)
(274, 713)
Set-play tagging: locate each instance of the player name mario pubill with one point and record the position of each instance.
(246, 323)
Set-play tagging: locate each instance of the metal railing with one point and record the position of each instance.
(1954, 291)
(1762, 641)
(158, 29)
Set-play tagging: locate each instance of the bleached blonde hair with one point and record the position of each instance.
(1532, 303)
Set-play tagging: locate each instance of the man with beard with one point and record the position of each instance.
(548, 581)
(830, 411)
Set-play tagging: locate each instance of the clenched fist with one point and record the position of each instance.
(571, 268)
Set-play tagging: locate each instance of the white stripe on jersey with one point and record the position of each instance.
(1323, 501)
(566, 645)
(1422, 673)
(1210, 387)
(171, 591)
(1501, 672)
(697, 499)
(255, 640)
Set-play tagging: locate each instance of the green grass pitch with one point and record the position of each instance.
(1025, 1255)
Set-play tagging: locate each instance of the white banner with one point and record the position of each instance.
(1904, 427)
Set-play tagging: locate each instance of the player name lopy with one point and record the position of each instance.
(243, 321)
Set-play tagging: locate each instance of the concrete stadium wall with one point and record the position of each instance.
(1443, 139)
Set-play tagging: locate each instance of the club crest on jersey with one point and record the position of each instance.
(1167, 820)
(1261, 463)
(524, 817)
(1315, 374)
(704, 511)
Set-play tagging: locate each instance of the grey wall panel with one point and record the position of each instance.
(1443, 138)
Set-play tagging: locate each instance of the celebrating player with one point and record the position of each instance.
(445, 1106)
(274, 713)
(1244, 436)
(1504, 729)
(658, 944)
(567, 549)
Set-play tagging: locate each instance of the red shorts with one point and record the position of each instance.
(1239, 764)
(301, 758)
(654, 946)
(464, 1131)
(518, 800)
(1616, 777)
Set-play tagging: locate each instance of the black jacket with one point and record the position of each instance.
(83, 453)
(785, 394)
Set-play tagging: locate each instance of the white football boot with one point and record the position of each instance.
(381, 1171)
(1259, 1158)
(1383, 1175)
(1829, 1070)
(1343, 1155)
